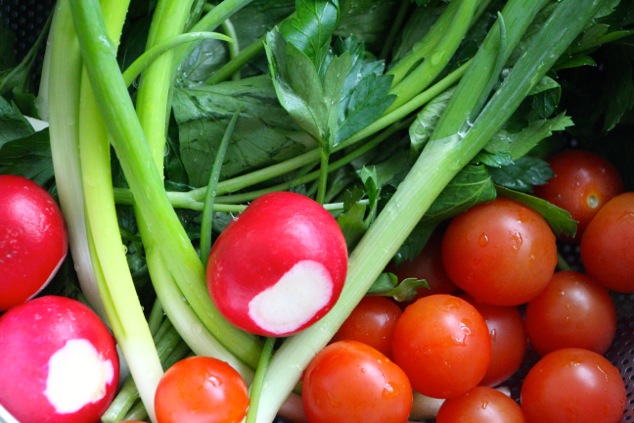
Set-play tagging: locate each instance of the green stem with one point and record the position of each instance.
(440, 161)
(122, 304)
(233, 66)
(322, 184)
(164, 233)
(210, 196)
(60, 89)
(153, 53)
(258, 381)
(168, 21)
(438, 57)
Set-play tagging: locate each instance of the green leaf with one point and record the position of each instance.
(421, 129)
(264, 134)
(297, 85)
(560, 221)
(13, 124)
(310, 31)
(522, 174)
(387, 285)
(29, 156)
(333, 82)
(352, 220)
(519, 143)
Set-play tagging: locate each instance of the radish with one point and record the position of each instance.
(33, 239)
(279, 266)
(58, 362)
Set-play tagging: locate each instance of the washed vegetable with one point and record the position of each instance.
(583, 182)
(605, 245)
(58, 360)
(394, 116)
(351, 381)
(508, 340)
(594, 391)
(572, 311)
(33, 239)
(427, 266)
(442, 343)
(279, 266)
(372, 322)
(481, 405)
(201, 389)
(501, 253)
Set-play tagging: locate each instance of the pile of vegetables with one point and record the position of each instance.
(238, 178)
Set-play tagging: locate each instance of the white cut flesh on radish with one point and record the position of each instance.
(77, 376)
(294, 300)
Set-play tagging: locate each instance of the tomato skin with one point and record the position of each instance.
(482, 404)
(573, 385)
(508, 340)
(349, 381)
(573, 311)
(606, 245)
(201, 389)
(583, 183)
(372, 322)
(500, 252)
(442, 343)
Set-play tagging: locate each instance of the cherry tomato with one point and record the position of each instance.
(573, 385)
(606, 245)
(443, 345)
(349, 381)
(428, 266)
(372, 322)
(583, 183)
(508, 340)
(482, 404)
(573, 311)
(500, 252)
(201, 389)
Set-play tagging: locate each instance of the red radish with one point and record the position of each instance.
(279, 266)
(33, 239)
(58, 362)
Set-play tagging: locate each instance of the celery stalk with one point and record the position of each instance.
(441, 159)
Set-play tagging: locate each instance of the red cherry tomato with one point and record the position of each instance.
(349, 381)
(606, 246)
(573, 385)
(583, 183)
(372, 322)
(500, 252)
(573, 311)
(443, 345)
(482, 404)
(428, 266)
(33, 239)
(201, 389)
(508, 341)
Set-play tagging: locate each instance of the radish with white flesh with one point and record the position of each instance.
(33, 239)
(279, 266)
(58, 362)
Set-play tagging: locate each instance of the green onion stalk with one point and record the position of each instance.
(439, 162)
(76, 123)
